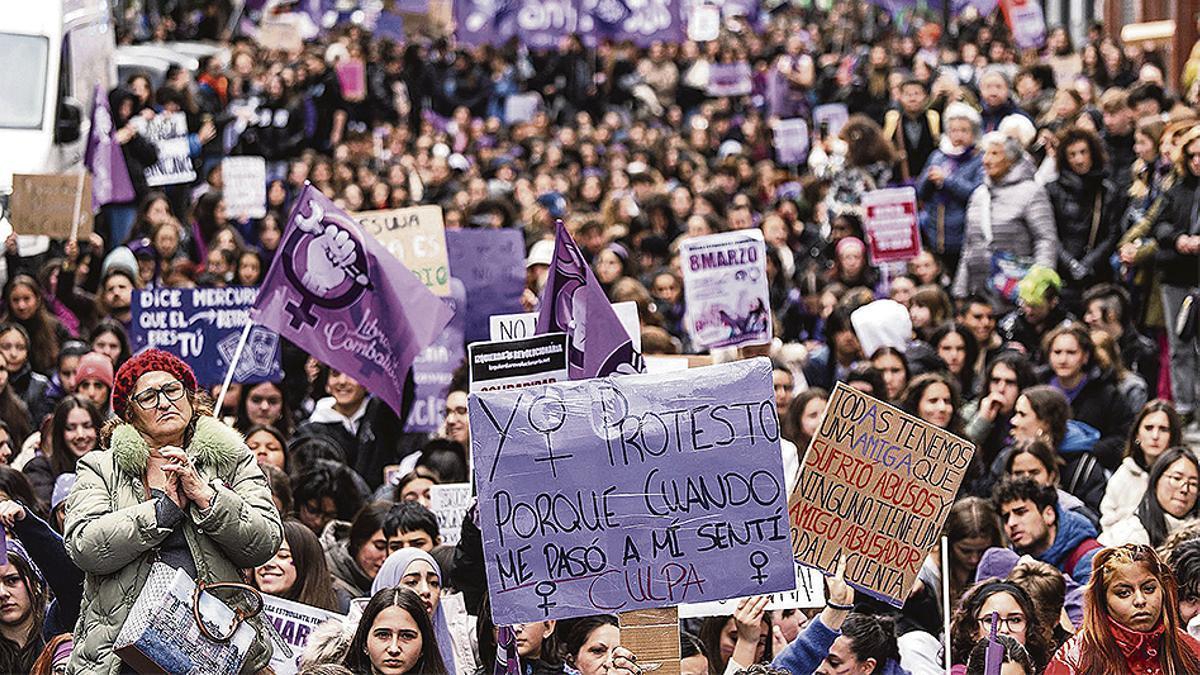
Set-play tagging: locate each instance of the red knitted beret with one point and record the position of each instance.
(148, 362)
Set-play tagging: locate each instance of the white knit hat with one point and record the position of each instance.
(883, 323)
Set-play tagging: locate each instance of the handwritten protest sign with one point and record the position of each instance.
(876, 485)
(433, 369)
(417, 237)
(730, 79)
(245, 191)
(791, 140)
(449, 503)
(491, 264)
(295, 622)
(169, 133)
(517, 326)
(202, 326)
(809, 593)
(516, 364)
(725, 286)
(45, 204)
(632, 492)
(891, 224)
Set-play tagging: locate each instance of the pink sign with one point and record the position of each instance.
(891, 224)
(352, 75)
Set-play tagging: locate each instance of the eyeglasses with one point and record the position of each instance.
(1180, 482)
(147, 399)
(1015, 622)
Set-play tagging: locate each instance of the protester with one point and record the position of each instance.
(415, 569)
(395, 636)
(297, 571)
(1017, 619)
(159, 414)
(1156, 428)
(1168, 503)
(1036, 525)
(1042, 413)
(588, 640)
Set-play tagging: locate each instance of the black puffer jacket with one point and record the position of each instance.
(1178, 217)
(1085, 235)
(1099, 405)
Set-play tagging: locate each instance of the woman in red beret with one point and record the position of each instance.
(176, 486)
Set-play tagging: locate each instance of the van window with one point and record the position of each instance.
(24, 87)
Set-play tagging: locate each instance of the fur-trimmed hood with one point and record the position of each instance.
(214, 445)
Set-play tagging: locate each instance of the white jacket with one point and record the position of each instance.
(1123, 494)
(1132, 531)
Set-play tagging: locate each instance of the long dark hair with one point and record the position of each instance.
(575, 633)
(793, 428)
(15, 658)
(110, 326)
(1098, 650)
(285, 424)
(966, 379)
(964, 629)
(62, 460)
(910, 399)
(430, 662)
(1150, 512)
(15, 414)
(1134, 449)
(14, 484)
(41, 329)
(312, 585)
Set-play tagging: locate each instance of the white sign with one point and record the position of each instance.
(810, 592)
(294, 622)
(704, 25)
(169, 133)
(245, 186)
(725, 289)
(449, 503)
(523, 325)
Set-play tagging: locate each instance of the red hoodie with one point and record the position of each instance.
(1140, 650)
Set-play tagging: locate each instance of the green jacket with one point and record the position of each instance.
(111, 532)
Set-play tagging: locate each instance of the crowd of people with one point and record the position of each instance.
(1050, 319)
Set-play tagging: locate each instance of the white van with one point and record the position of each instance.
(55, 53)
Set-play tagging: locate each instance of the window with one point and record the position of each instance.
(24, 86)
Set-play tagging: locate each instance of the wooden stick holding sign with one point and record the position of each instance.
(653, 636)
(78, 205)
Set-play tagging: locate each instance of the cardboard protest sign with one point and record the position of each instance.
(202, 326)
(280, 36)
(517, 326)
(876, 485)
(516, 364)
(417, 237)
(245, 191)
(295, 622)
(433, 369)
(491, 264)
(791, 140)
(809, 593)
(730, 79)
(891, 224)
(169, 133)
(725, 289)
(45, 204)
(449, 503)
(653, 635)
(622, 493)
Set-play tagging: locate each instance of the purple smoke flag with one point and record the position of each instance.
(508, 662)
(574, 303)
(342, 297)
(104, 159)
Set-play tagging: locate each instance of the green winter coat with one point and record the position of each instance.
(111, 532)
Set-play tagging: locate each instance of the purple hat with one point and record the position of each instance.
(62, 488)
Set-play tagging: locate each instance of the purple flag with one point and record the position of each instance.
(508, 662)
(340, 296)
(573, 303)
(110, 176)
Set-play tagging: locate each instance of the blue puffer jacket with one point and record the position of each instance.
(944, 218)
(809, 649)
(1073, 531)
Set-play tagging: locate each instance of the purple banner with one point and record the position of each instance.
(340, 296)
(491, 265)
(434, 367)
(662, 489)
(542, 23)
(110, 176)
(574, 303)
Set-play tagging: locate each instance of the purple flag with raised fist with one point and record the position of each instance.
(104, 159)
(342, 297)
(573, 303)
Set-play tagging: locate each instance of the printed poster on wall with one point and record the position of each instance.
(169, 133)
(202, 326)
(725, 287)
(876, 486)
(891, 226)
(663, 489)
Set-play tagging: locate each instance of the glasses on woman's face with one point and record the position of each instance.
(1014, 623)
(147, 399)
(1181, 482)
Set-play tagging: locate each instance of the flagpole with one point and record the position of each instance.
(78, 205)
(237, 354)
(946, 601)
